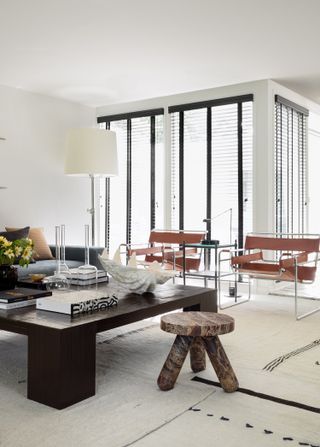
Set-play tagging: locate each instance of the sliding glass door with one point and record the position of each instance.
(134, 199)
(212, 167)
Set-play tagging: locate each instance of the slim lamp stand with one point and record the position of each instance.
(92, 210)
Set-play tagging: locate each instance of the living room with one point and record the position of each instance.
(192, 86)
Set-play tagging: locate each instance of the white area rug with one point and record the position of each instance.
(128, 408)
(311, 291)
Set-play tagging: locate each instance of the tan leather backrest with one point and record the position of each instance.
(176, 237)
(282, 243)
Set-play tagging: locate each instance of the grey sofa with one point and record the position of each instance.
(74, 258)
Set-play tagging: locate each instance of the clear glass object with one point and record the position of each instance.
(63, 266)
(59, 280)
(87, 271)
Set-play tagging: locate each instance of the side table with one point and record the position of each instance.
(206, 274)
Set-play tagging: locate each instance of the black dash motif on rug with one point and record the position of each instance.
(265, 431)
(278, 361)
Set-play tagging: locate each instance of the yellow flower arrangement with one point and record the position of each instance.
(18, 251)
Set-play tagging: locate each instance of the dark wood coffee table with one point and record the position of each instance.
(62, 350)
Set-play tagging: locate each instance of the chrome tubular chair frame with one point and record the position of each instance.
(293, 264)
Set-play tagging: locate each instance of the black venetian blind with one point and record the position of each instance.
(211, 166)
(290, 166)
(134, 199)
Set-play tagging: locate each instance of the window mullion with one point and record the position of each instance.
(107, 207)
(152, 172)
(129, 180)
(209, 171)
(181, 170)
(240, 178)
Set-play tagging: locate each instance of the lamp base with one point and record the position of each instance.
(233, 292)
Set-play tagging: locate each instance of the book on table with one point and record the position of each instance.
(78, 302)
(87, 277)
(17, 305)
(30, 284)
(21, 297)
(88, 282)
(84, 274)
(76, 278)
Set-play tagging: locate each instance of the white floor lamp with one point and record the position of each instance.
(91, 152)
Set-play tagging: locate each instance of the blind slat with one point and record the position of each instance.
(290, 168)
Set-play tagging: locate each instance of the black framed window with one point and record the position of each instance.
(290, 166)
(211, 166)
(134, 199)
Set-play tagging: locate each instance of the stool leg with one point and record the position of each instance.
(197, 355)
(221, 364)
(172, 366)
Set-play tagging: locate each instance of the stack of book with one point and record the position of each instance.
(20, 297)
(87, 277)
(77, 303)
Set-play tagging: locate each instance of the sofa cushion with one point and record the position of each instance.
(41, 248)
(12, 235)
(47, 267)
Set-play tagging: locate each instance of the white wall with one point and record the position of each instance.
(32, 160)
(313, 172)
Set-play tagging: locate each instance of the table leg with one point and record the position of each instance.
(184, 263)
(61, 365)
(209, 303)
(206, 266)
(216, 267)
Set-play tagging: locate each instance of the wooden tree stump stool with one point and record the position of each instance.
(197, 332)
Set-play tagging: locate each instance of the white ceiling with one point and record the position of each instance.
(100, 52)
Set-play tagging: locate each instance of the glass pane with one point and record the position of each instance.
(159, 174)
(284, 171)
(141, 184)
(313, 166)
(175, 170)
(295, 175)
(195, 162)
(290, 169)
(247, 163)
(224, 172)
(118, 189)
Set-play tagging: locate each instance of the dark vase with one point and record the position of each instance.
(8, 277)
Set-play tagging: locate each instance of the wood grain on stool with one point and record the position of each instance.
(196, 331)
(221, 364)
(174, 362)
(197, 324)
(197, 355)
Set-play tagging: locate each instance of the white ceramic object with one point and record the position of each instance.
(137, 280)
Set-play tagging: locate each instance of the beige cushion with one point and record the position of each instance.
(41, 248)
